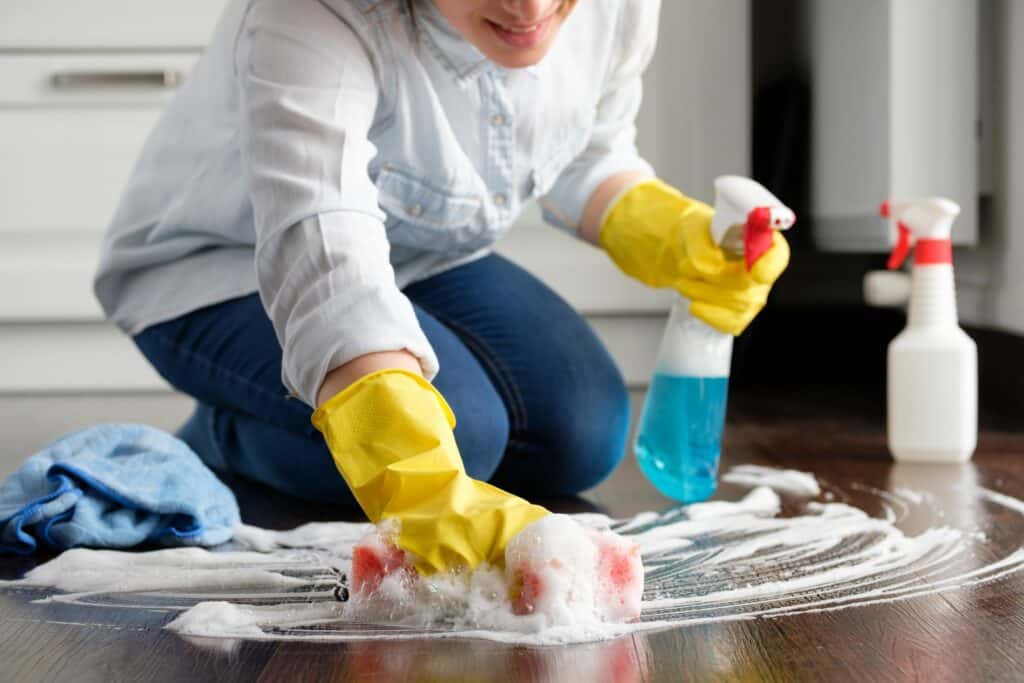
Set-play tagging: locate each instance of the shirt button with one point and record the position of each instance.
(500, 199)
(497, 120)
(415, 210)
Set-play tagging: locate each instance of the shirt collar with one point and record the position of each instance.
(459, 54)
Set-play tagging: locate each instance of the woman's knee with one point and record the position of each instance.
(587, 441)
(573, 441)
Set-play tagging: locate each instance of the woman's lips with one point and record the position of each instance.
(522, 37)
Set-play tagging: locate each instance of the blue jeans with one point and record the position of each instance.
(541, 408)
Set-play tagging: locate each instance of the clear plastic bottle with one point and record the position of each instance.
(679, 437)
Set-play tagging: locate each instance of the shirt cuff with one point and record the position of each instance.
(367, 321)
(330, 290)
(563, 206)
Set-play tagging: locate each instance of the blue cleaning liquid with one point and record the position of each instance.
(680, 434)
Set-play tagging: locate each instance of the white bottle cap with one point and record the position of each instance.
(927, 218)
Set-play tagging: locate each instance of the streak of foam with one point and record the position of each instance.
(788, 481)
(717, 561)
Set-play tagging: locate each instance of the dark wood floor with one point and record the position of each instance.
(973, 634)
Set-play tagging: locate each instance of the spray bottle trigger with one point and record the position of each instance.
(757, 234)
(901, 250)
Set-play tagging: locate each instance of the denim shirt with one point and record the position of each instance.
(327, 153)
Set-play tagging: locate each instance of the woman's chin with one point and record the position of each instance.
(519, 60)
(514, 58)
(516, 52)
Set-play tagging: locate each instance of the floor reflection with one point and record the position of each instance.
(619, 661)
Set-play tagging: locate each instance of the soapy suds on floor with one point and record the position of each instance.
(708, 562)
(786, 481)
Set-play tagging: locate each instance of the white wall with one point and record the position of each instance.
(1008, 238)
(990, 278)
(695, 123)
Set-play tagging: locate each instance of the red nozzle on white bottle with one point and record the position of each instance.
(924, 225)
(932, 373)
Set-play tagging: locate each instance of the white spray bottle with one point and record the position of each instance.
(680, 432)
(933, 364)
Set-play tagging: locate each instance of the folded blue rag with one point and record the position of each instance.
(114, 486)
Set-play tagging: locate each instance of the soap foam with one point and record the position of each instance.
(557, 553)
(787, 481)
(557, 573)
(558, 569)
(710, 562)
(761, 502)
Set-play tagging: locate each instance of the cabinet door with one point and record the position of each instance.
(107, 24)
(71, 127)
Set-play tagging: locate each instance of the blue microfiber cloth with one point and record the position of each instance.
(114, 486)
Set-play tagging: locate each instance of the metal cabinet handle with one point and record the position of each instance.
(161, 78)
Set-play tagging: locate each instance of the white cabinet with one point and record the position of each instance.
(71, 126)
(106, 24)
(82, 84)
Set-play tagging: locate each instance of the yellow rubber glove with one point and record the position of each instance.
(659, 236)
(390, 434)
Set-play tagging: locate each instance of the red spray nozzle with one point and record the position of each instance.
(757, 235)
(902, 249)
(762, 221)
(924, 225)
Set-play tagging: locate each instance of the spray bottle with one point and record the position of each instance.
(933, 364)
(680, 433)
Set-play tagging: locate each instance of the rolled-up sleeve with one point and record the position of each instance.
(611, 148)
(308, 95)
